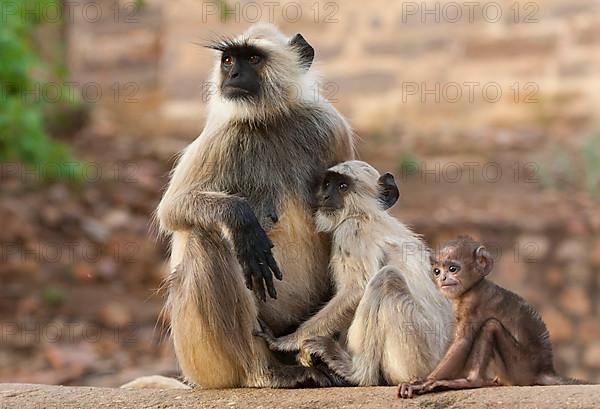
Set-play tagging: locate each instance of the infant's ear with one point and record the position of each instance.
(483, 260)
(388, 191)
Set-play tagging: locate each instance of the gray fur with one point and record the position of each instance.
(263, 153)
(382, 275)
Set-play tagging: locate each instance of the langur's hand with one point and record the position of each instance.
(313, 346)
(276, 344)
(253, 249)
(269, 220)
(264, 332)
(416, 387)
(286, 343)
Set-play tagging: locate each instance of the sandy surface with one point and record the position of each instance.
(25, 396)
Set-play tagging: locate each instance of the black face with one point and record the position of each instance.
(241, 67)
(332, 190)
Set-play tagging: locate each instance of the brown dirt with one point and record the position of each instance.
(115, 295)
(24, 396)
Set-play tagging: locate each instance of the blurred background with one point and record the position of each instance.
(488, 113)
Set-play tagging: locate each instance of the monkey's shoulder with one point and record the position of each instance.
(354, 250)
(515, 314)
(523, 317)
(513, 302)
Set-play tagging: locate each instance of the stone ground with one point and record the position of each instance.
(93, 320)
(24, 396)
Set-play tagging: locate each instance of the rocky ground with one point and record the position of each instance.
(25, 396)
(80, 269)
(81, 264)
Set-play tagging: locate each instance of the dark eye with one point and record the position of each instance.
(454, 269)
(343, 186)
(254, 59)
(227, 60)
(437, 271)
(326, 185)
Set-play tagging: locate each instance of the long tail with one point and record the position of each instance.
(554, 379)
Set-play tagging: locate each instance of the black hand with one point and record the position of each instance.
(253, 249)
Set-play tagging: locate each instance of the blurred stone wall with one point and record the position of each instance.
(425, 84)
(428, 67)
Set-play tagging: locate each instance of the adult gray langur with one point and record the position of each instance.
(238, 210)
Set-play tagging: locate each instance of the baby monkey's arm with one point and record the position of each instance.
(334, 317)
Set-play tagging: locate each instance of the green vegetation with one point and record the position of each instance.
(23, 132)
(591, 161)
(408, 165)
(556, 169)
(573, 170)
(53, 296)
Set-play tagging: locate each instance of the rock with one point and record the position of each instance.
(572, 250)
(116, 218)
(589, 330)
(95, 230)
(512, 272)
(92, 195)
(29, 305)
(78, 357)
(481, 47)
(577, 227)
(83, 271)
(114, 314)
(567, 355)
(578, 272)
(591, 357)
(595, 253)
(533, 248)
(34, 396)
(555, 276)
(107, 268)
(58, 193)
(559, 326)
(575, 300)
(25, 269)
(50, 216)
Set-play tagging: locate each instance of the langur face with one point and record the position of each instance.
(447, 275)
(458, 267)
(335, 188)
(241, 68)
(332, 191)
(251, 72)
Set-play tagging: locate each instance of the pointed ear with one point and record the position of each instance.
(483, 260)
(388, 191)
(304, 50)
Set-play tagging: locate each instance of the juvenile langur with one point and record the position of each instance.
(238, 209)
(493, 326)
(385, 298)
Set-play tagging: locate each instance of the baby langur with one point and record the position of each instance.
(385, 298)
(493, 326)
